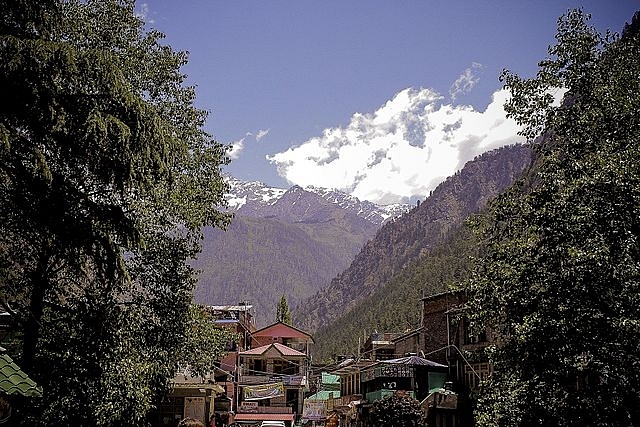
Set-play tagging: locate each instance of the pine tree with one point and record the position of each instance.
(283, 314)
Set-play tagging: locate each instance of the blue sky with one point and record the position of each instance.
(361, 95)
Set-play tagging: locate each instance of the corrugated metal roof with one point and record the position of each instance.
(330, 378)
(14, 381)
(414, 360)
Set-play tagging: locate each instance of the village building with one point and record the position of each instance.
(444, 336)
(273, 377)
(379, 346)
(262, 377)
(412, 375)
(212, 395)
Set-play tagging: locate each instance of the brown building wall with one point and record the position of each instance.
(437, 328)
(410, 343)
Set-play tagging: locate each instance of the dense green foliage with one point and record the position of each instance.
(204, 342)
(560, 285)
(106, 178)
(283, 314)
(396, 306)
(397, 411)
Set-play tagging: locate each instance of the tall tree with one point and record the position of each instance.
(560, 283)
(106, 179)
(283, 314)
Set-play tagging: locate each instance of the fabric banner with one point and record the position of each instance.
(314, 410)
(194, 408)
(264, 391)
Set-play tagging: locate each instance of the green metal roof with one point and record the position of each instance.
(14, 381)
(330, 378)
(324, 395)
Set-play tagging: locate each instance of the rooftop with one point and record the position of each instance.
(14, 381)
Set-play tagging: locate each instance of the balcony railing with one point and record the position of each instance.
(288, 380)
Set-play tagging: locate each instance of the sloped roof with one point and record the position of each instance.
(283, 349)
(414, 360)
(352, 365)
(330, 378)
(280, 329)
(14, 381)
(324, 395)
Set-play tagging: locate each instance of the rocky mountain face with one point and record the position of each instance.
(289, 242)
(408, 239)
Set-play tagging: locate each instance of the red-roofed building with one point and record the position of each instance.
(284, 334)
(272, 377)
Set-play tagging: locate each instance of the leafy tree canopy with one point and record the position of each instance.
(560, 283)
(398, 410)
(106, 179)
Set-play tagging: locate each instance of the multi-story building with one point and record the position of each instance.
(273, 376)
(411, 375)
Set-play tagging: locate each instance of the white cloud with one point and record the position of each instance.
(404, 149)
(466, 81)
(261, 134)
(236, 148)
(142, 12)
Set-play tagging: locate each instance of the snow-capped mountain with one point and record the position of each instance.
(283, 242)
(251, 193)
(255, 198)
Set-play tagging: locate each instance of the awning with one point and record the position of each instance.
(414, 360)
(264, 417)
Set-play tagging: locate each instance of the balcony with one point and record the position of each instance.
(287, 380)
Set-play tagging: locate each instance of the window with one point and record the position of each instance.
(476, 373)
(257, 367)
(285, 367)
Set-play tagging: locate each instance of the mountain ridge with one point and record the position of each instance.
(402, 241)
(282, 242)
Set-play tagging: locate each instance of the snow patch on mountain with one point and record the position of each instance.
(252, 196)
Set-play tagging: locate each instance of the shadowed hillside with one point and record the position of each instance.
(400, 243)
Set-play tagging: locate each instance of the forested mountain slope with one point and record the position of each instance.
(281, 243)
(396, 305)
(400, 243)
